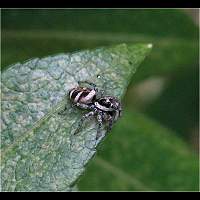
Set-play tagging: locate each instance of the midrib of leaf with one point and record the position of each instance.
(36, 125)
(106, 36)
(120, 173)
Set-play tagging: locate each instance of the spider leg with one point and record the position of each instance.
(100, 123)
(100, 93)
(110, 124)
(85, 106)
(89, 83)
(84, 117)
(107, 117)
(63, 112)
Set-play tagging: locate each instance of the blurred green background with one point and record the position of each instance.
(155, 145)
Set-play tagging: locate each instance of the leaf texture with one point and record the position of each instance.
(38, 150)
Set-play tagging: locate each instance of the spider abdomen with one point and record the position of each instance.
(82, 95)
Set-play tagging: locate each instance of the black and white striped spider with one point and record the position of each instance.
(107, 109)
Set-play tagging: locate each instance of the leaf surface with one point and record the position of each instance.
(39, 151)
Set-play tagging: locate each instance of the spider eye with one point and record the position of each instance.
(108, 103)
(105, 103)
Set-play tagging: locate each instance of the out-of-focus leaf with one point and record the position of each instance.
(168, 58)
(28, 33)
(38, 150)
(177, 107)
(139, 154)
(173, 23)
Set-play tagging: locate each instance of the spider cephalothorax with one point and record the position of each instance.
(110, 105)
(107, 109)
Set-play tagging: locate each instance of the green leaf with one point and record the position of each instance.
(106, 20)
(180, 95)
(28, 33)
(38, 150)
(169, 57)
(139, 154)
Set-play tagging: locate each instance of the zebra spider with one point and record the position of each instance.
(107, 109)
